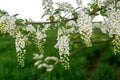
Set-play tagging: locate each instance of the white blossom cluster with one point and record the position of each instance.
(63, 46)
(85, 27)
(79, 3)
(65, 6)
(100, 3)
(41, 34)
(116, 44)
(41, 63)
(112, 22)
(20, 47)
(41, 37)
(30, 28)
(47, 4)
(7, 24)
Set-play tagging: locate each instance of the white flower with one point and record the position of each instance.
(50, 68)
(112, 22)
(37, 62)
(65, 6)
(85, 27)
(79, 3)
(40, 35)
(63, 45)
(47, 4)
(51, 58)
(42, 65)
(20, 42)
(100, 3)
(30, 28)
(8, 24)
(41, 62)
(37, 56)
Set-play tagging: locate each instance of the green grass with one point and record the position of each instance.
(81, 62)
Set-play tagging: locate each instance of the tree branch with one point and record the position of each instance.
(49, 22)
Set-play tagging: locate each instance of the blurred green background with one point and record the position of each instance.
(95, 63)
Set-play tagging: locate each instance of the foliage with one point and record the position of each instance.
(74, 28)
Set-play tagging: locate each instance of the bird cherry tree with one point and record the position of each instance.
(73, 24)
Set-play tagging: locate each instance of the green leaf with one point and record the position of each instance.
(57, 11)
(19, 21)
(94, 6)
(15, 15)
(103, 13)
(75, 14)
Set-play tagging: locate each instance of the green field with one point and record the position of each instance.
(94, 63)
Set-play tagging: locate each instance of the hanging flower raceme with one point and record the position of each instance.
(85, 27)
(20, 40)
(63, 46)
(2, 26)
(40, 38)
(7, 25)
(112, 22)
(116, 44)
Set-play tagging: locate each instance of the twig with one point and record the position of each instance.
(91, 13)
(49, 22)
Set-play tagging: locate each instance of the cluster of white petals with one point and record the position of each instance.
(7, 24)
(116, 44)
(20, 42)
(47, 4)
(82, 26)
(85, 27)
(100, 3)
(40, 34)
(30, 28)
(112, 22)
(79, 3)
(63, 47)
(65, 6)
(43, 63)
(20, 47)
